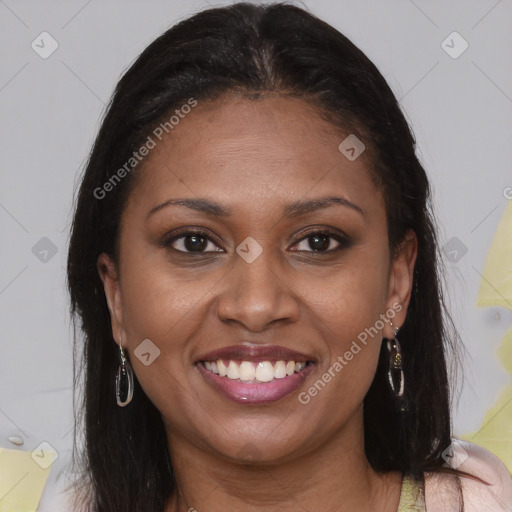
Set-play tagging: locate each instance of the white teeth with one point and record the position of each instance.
(280, 370)
(233, 372)
(223, 371)
(264, 371)
(247, 371)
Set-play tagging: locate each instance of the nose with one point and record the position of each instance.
(257, 294)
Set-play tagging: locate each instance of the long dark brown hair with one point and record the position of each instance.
(252, 49)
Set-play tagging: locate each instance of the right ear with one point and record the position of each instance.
(109, 275)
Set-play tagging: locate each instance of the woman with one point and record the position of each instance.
(253, 263)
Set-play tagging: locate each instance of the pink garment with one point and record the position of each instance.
(441, 492)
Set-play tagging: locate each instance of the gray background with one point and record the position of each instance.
(460, 110)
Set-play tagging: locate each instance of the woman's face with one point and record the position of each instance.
(277, 274)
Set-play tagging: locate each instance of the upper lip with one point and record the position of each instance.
(255, 353)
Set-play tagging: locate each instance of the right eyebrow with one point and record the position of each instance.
(201, 205)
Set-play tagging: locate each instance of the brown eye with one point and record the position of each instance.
(322, 242)
(319, 242)
(192, 242)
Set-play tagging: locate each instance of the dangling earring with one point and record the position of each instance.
(395, 370)
(124, 380)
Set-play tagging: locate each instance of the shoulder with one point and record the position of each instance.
(441, 491)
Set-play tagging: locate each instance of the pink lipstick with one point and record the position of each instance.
(255, 374)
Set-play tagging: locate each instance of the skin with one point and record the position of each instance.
(255, 157)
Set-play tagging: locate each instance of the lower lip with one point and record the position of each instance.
(255, 392)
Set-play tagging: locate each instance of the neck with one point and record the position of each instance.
(333, 476)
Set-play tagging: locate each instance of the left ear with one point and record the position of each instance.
(401, 280)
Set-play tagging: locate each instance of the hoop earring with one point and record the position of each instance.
(124, 380)
(395, 370)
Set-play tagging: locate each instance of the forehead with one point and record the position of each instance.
(253, 151)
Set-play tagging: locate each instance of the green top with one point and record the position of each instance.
(412, 497)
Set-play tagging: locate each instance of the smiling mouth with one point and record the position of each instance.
(249, 373)
(255, 382)
(254, 372)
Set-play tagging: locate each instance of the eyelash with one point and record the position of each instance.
(343, 241)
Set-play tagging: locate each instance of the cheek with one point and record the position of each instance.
(164, 309)
(159, 301)
(350, 298)
(348, 309)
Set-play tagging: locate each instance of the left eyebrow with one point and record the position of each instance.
(304, 206)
